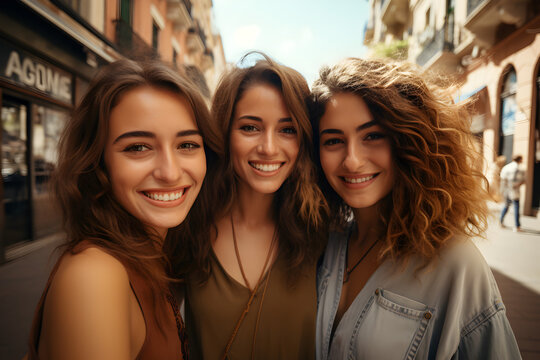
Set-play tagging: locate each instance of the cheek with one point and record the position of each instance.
(327, 162)
(196, 168)
(292, 150)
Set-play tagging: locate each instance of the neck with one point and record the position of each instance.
(369, 225)
(253, 208)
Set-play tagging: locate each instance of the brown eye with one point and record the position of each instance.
(136, 148)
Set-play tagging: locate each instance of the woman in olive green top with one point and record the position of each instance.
(251, 290)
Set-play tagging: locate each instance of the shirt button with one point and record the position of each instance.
(376, 291)
(427, 315)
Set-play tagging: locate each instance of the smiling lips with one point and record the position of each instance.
(164, 195)
(359, 180)
(266, 167)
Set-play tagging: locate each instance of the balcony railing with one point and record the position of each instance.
(438, 43)
(473, 5)
(179, 12)
(197, 31)
(130, 44)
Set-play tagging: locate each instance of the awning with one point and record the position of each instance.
(465, 96)
(61, 24)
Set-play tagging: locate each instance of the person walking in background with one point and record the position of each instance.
(512, 177)
(494, 178)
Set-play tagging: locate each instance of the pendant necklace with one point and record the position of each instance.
(252, 292)
(349, 270)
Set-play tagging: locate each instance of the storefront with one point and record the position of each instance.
(43, 71)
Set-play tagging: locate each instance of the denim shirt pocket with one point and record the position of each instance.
(390, 327)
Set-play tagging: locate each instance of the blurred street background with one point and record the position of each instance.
(489, 50)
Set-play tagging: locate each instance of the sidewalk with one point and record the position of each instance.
(515, 261)
(21, 283)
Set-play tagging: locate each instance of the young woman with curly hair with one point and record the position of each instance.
(131, 163)
(251, 292)
(400, 278)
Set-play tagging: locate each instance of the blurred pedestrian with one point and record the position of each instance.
(401, 278)
(131, 163)
(494, 178)
(512, 177)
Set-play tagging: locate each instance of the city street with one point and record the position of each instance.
(513, 257)
(514, 260)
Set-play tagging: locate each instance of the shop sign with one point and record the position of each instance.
(29, 71)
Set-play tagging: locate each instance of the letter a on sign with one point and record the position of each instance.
(14, 65)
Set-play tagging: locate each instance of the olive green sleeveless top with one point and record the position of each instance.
(286, 328)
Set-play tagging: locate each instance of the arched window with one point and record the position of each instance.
(508, 114)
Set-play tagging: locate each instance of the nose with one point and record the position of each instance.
(167, 167)
(355, 158)
(267, 145)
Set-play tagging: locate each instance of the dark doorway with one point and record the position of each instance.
(15, 177)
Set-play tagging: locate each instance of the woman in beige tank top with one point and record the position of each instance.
(131, 163)
(251, 291)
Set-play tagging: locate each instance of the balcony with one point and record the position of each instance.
(196, 38)
(492, 20)
(207, 60)
(394, 14)
(130, 44)
(437, 50)
(179, 12)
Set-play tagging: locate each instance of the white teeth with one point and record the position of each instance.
(358, 180)
(165, 197)
(266, 167)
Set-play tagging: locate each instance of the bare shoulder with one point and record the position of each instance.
(87, 308)
(90, 264)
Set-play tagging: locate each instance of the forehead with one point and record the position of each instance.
(345, 110)
(153, 108)
(260, 93)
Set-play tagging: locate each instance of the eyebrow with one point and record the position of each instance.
(256, 118)
(359, 128)
(148, 134)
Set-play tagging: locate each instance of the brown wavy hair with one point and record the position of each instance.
(438, 192)
(299, 204)
(81, 183)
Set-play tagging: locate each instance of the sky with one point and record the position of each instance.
(302, 34)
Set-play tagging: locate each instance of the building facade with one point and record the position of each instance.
(49, 52)
(491, 51)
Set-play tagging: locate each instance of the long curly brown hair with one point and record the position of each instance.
(438, 192)
(298, 205)
(81, 183)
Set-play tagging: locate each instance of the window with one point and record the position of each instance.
(508, 114)
(125, 11)
(155, 35)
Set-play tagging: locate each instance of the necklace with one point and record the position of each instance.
(349, 270)
(252, 294)
(179, 325)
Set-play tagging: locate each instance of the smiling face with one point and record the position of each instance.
(154, 157)
(264, 142)
(355, 152)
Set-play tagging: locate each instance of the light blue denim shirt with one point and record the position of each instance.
(452, 310)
